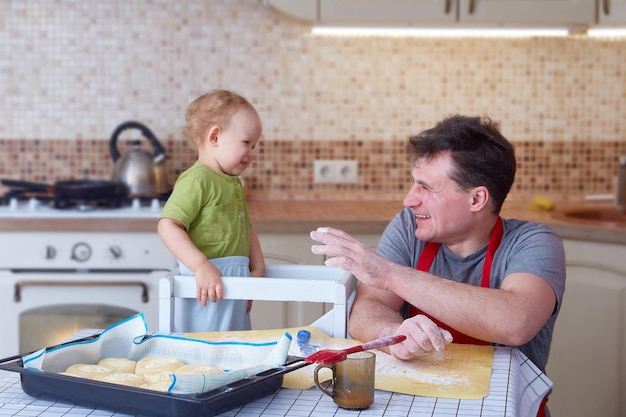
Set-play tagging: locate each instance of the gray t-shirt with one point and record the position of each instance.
(528, 247)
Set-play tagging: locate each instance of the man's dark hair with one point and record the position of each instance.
(480, 154)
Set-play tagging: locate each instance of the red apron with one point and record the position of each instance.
(425, 261)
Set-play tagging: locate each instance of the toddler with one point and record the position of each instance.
(205, 222)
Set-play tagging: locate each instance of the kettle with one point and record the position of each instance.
(142, 172)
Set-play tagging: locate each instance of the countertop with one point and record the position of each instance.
(355, 217)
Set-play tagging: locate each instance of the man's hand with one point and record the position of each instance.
(422, 336)
(347, 253)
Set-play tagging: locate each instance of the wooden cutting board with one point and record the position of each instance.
(460, 371)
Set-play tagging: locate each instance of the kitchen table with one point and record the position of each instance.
(517, 387)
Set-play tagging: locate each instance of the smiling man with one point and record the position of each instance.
(448, 267)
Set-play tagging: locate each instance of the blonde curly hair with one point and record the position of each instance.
(215, 107)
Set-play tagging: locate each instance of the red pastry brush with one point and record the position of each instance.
(329, 356)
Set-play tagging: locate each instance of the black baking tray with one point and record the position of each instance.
(130, 400)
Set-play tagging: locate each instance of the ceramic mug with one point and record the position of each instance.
(352, 382)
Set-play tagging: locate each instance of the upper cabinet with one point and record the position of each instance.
(611, 12)
(459, 12)
(544, 12)
(302, 9)
(393, 12)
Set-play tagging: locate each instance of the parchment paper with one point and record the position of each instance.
(128, 339)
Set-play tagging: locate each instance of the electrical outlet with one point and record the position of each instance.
(335, 171)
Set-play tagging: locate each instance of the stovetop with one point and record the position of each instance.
(44, 207)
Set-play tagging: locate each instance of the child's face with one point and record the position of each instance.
(232, 150)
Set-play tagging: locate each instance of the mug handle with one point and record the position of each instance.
(324, 389)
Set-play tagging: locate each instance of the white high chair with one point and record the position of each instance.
(312, 283)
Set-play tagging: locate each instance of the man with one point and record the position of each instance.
(448, 262)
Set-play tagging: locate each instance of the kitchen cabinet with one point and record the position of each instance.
(437, 12)
(301, 9)
(287, 248)
(558, 12)
(386, 12)
(292, 249)
(611, 12)
(588, 355)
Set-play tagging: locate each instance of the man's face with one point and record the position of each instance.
(441, 209)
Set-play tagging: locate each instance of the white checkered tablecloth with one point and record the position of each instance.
(517, 387)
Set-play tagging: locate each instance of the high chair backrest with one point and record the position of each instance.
(308, 283)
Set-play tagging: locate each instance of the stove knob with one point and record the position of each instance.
(81, 252)
(155, 204)
(136, 204)
(50, 252)
(32, 204)
(13, 204)
(115, 251)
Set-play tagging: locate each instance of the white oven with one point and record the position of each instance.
(53, 283)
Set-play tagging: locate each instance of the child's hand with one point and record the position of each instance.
(209, 283)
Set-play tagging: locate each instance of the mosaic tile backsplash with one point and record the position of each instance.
(284, 169)
(71, 71)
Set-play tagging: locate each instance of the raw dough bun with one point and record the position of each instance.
(157, 364)
(122, 378)
(87, 371)
(156, 377)
(162, 386)
(190, 369)
(119, 364)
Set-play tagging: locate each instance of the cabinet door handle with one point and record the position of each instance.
(17, 296)
(472, 6)
(448, 6)
(606, 7)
